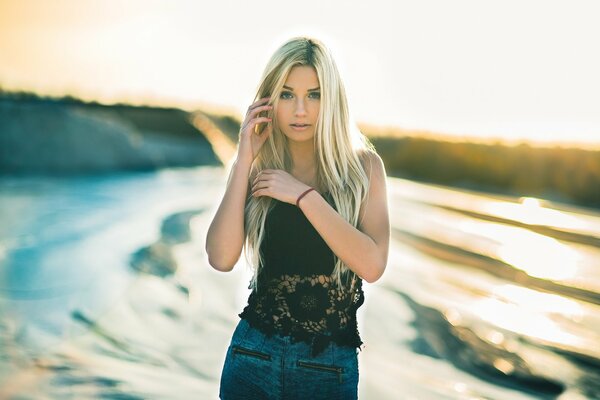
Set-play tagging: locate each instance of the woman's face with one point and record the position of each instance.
(298, 107)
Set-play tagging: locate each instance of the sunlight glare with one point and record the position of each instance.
(518, 314)
(539, 302)
(538, 255)
(530, 211)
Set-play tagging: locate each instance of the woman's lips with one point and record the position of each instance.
(299, 127)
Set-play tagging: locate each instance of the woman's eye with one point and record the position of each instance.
(289, 95)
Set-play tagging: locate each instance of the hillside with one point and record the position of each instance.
(62, 136)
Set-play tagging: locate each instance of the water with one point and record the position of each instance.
(105, 292)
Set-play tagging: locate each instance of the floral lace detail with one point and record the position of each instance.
(306, 308)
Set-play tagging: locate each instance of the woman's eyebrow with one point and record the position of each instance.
(310, 90)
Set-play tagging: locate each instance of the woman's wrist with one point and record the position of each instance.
(242, 164)
(307, 191)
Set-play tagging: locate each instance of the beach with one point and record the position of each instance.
(106, 293)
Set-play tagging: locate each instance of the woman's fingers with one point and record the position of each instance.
(255, 108)
(258, 187)
(252, 123)
(255, 113)
(258, 110)
(261, 175)
(252, 119)
(257, 104)
(260, 101)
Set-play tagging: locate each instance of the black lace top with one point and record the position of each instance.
(296, 295)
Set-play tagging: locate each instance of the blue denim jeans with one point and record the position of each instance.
(259, 367)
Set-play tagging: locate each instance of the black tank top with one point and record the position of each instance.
(296, 295)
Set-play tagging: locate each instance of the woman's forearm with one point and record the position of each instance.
(225, 236)
(357, 250)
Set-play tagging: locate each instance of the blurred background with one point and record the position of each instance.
(118, 120)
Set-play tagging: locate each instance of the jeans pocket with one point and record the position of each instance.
(237, 349)
(323, 368)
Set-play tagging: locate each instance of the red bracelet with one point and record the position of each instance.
(302, 195)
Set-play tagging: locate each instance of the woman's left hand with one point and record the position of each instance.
(279, 185)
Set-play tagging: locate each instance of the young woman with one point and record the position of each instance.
(307, 196)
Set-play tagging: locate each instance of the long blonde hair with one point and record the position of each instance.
(338, 145)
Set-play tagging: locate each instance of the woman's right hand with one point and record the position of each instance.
(250, 142)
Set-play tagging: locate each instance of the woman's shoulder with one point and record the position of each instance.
(371, 161)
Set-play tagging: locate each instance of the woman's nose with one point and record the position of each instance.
(300, 109)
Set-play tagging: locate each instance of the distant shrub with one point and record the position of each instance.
(561, 174)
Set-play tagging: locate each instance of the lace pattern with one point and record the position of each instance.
(306, 308)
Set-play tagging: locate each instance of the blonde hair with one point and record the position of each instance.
(338, 145)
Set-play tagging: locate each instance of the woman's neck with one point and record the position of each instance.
(304, 162)
(303, 156)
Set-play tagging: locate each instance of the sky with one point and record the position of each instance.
(507, 69)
